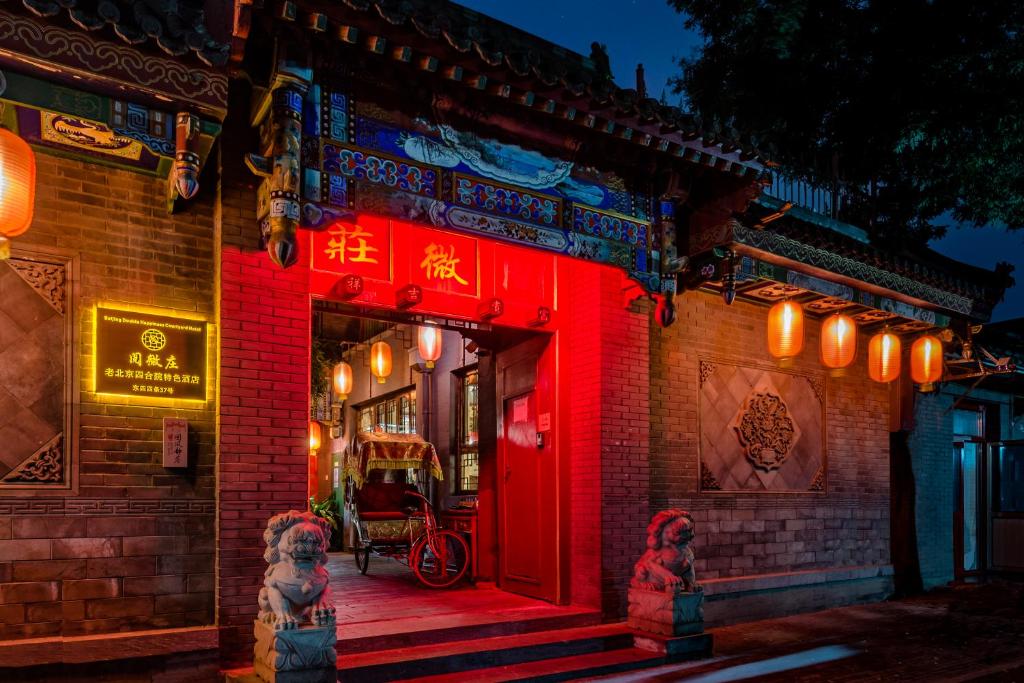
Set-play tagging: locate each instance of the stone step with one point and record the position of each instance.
(482, 653)
(447, 628)
(559, 669)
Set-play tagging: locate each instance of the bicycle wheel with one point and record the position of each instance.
(362, 559)
(441, 566)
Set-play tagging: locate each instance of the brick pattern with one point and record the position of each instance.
(608, 382)
(100, 562)
(756, 533)
(265, 316)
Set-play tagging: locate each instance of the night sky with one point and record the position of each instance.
(649, 32)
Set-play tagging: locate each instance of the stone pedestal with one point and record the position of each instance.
(298, 655)
(669, 623)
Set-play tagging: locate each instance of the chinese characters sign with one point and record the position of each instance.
(140, 354)
(175, 442)
(444, 261)
(362, 248)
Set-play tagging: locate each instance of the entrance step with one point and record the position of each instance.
(489, 656)
(396, 634)
(569, 668)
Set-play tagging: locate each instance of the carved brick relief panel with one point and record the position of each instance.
(37, 434)
(761, 430)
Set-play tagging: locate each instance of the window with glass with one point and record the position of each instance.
(1010, 463)
(394, 413)
(468, 433)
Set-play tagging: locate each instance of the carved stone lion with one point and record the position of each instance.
(667, 565)
(295, 584)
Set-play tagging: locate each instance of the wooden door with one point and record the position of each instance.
(526, 480)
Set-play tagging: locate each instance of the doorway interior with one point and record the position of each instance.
(477, 403)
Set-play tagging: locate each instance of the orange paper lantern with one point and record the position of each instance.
(838, 341)
(926, 361)
(314, 436)
(17, 188)
(429, 342)
(785, 330)
(380, 361)
(342, 380)
(884, 357)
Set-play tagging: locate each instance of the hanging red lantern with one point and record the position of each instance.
(342, 380)
(314, 436)
(785, 330)
(380, 361)
(838, 341)
(884, 357)
(429, 342)
(17, 188)
(926, 361)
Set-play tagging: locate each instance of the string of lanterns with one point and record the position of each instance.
(429, 345)
(839, 346)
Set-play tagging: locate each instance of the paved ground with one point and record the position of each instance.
(968, 633)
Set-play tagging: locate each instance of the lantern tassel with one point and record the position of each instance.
(5, 248)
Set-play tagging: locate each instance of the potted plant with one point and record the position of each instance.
(327, 509)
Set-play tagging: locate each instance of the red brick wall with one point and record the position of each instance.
(264, 409)
(607, 357)
(134, 549)
(739, 535)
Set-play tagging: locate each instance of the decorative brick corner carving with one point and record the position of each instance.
(44, 466)
(818, 484)
(765, 430)
(48, 279)
(707, 479)
(707, 368)
(818, 385)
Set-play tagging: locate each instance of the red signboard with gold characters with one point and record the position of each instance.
(453, 274)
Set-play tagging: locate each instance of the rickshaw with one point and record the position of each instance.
(394, 519)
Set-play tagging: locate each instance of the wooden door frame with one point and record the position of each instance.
(533, 348)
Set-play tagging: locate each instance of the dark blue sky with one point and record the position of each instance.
(648, 31)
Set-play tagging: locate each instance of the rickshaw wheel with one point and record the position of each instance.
(433, 571)
(362, 559)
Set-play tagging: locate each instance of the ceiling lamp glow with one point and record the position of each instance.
(342, 376)
(838, 341)
(429, 342)
(785, 330)
(884, 357)
(17, 188)
(926, 362)
(380, 361)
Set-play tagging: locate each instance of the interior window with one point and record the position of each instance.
(1011, 478)
(469, 433)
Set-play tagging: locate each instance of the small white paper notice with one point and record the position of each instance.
(521, 410)
(175, 442)
(544, 422)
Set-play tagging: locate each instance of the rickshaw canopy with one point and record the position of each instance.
(371, 451)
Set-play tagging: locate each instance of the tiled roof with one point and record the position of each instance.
(471, 37)
(177, 27)
(920, 265)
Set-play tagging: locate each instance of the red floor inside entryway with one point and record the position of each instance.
(387, 608)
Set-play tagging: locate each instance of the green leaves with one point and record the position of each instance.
(915, 106)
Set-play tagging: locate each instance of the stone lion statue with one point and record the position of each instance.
(667, 565)
(295, 584)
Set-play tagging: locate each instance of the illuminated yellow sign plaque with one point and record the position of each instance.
(141, 354)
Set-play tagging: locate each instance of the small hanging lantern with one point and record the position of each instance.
(429, 342)
(884, 357)
(342, 380)
(17, 188)
(785, 331)
(314, 436)
(838, 341)
(380, 361)
(926, 362)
